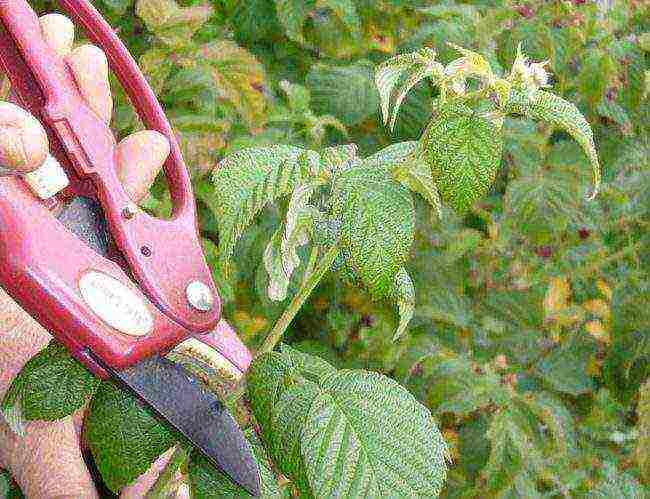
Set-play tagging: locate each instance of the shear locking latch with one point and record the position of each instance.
(46, 181)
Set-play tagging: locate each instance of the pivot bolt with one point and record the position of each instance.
(200, 296)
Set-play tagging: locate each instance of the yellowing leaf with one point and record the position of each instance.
(453, 441)
(172, 24)
(598, 331)
(604, 289)
(379, 40)
(594, 366)
(238, 76)
(201, 147)
(557, 297)
(598, 307)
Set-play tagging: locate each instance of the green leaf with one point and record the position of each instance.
(556, 418)
(309, 366)
(413, 67)
(281, 255)
(643, 429)
(409, 169)
(549, 107)
(565, 370)
(393, 155)
(287, 424)
(404, 295)
(338, 158)
(246, 182)
(255, 20)
(377, 225)
(542, 205)
(443, 302)
(516, 447)
(596, 71)
(346, 11)
(172, 24)
(455, 387)
(627, 364)
(346, 92)
(124, 438)
(344, 433)
(269, 377)
(8, 488)
(209, 483)
(613, 111)
(297, 96)
(266, 380)
(292, 14)
(366, 436)
(617, 484)
(463, 151)
(51, 385)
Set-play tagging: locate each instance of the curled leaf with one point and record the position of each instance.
(542, 105)
(404, 295)
(246, 182)
(281, 255)
(409, 168)
(415, 67)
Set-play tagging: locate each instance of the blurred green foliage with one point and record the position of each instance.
(530, 340)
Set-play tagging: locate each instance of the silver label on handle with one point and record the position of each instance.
(115, 304)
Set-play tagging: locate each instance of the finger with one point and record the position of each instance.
(58, 33)
(23, 141)
(47, 462)
(89, 67)
(21, 337)
(144, 482)
(88, 63)
(140, 157)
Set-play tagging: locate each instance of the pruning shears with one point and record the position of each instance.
(118, 287)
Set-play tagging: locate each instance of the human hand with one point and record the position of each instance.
(48, 461)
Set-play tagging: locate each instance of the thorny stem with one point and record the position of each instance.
(314, 272)
(160, 488)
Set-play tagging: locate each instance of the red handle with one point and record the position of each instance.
(163, 255)
(43, 268)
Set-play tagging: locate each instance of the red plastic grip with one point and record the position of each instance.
(42, 263)
(163, 255)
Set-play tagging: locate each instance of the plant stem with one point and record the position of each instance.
(308, 285)
(167, 475)
(314, 272)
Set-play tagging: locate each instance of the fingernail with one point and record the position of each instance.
(58, 32)
(23, 141)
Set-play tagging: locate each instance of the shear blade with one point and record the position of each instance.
(168, 389)
(181, 400)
